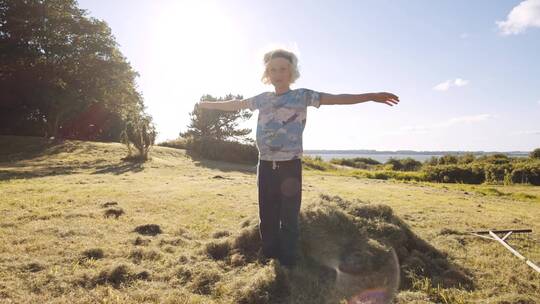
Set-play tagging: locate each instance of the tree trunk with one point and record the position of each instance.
(52, 126)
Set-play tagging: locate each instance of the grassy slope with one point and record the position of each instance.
(51, 211)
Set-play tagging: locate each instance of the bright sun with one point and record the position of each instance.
(199, 43)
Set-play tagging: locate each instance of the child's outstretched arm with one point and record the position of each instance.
(381, 97)
(230, 105)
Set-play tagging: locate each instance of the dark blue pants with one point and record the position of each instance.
(280, 196)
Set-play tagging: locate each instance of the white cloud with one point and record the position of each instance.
(460, 82)
(444, 86)
(460, 120)
(524, 15)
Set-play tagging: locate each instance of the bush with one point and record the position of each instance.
(466, 158)
(535, 154)
(432, 161)
(357, 162)
(393, 164)
(469, 174)
(448, 159)
(405, 164)
(496, 173)
(222, 150)
(410, 164)
(495, 159)
(389, 174)
(315, 163)
(526, 173)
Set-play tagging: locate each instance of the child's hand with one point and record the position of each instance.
(386, 98)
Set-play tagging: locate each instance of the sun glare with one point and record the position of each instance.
(198, 45)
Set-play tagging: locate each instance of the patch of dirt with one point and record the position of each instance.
(149, 229)
(113, 212)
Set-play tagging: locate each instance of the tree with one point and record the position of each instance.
(535, 153)
(218, 125)
(140, 132)
(56, 64)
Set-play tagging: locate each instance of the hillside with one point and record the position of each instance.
(79, 225)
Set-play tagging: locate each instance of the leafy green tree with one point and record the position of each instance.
(56, 63)
(218, 125)
(140, 132)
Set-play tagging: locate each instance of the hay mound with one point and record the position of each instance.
(345, 247)
(269, 285)
(362, 236)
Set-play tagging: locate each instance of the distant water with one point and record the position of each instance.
(378, 157)
(382, 157)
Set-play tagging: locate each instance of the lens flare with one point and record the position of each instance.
(368, 286)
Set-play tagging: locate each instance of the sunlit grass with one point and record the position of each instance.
(58, 244)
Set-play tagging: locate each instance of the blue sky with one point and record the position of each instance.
(467, 72)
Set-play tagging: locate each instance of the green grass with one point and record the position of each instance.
(60, 243)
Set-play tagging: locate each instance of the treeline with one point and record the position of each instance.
(63, 76)
(467, 168)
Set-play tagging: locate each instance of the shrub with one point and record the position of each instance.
(496, 159)
(405, 164)
(466, 158)
(448, 159)
(495, 173)
(357, 162)
(432, 161)
(410, 164)
(315, 163)
(393, 164)
(535, 154)
(526, 173)
(230, 151)
(469, 174)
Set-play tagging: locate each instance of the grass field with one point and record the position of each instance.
(79, 225)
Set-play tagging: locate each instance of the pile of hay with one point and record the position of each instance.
(347, 250)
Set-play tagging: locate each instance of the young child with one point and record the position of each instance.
(281, 121)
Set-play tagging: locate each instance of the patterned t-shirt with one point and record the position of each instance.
(281, 122)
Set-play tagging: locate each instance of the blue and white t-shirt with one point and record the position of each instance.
(281, 122)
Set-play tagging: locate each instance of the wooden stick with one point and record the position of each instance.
(483, 236)
(504, 231)
(512, 250)
(506, 235)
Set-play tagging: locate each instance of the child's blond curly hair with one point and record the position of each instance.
(281, 53)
